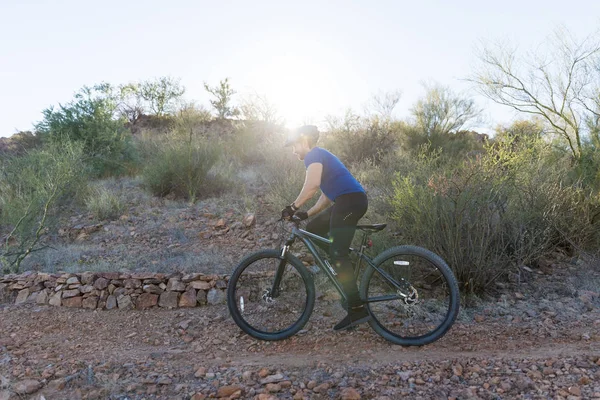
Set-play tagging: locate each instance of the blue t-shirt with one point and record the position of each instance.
(336, 180)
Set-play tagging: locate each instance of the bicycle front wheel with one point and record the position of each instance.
(412, 295)
(270, 297)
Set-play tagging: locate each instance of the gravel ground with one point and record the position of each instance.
(500, 350)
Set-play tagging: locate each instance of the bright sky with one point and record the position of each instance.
(310, 58)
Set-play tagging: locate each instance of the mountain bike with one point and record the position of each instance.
(410, 292)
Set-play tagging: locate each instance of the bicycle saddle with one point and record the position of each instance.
(371, 227)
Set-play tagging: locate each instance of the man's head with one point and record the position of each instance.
(303, 139)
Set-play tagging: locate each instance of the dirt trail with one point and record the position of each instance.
(181, 353)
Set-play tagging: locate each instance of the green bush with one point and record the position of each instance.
(90, 120)
(104, 204)
(505, 208)
(35, 189)
(182, 169)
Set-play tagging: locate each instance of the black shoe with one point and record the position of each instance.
(356, 316)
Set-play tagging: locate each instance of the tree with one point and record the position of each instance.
(256, 107)
(560, 83)
(161, 94)
(130, 102)
(222, 94)
(442, 111)
(90, 120)
(384, 103)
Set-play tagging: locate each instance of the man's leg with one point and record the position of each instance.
(319, 225)
(346, 212)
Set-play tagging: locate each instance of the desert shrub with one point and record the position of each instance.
(34, 191)
(182, 169)
(356, 139)
(104, 203)
(89, 120)
(505, 208)
(283, 176)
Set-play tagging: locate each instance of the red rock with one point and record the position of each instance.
(188, 298)
(202, 285)
(146, 300)
(72, 302)
(350, 394)
(226, 391)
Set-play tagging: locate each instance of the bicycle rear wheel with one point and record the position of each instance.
(270, 297)
(414, 300)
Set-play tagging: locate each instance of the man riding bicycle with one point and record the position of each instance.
(342, 203)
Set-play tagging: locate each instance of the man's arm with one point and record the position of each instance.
(311, 184)
(322, 204)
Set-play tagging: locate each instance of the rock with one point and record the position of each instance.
(322, 388)
(101, 283)
(272, 379)
(90, 302)
(111, 302)
(168, 299)
(22, 296)
(86, 289)
(216, 296)
(88, 277)
(56, 299)
(4, 395)
(27, 386)
(164, 381)
(124, 302)
(132, 283)
(457, 370)
(175, 285)
(201, 297)
(350, 394)
(188, 298)
(146, 300)
(72, 302)
(73, 280)
(151, 288)
(575, 391)
(220, 284)
(249, 220)
(200, 372)
(226, 391)
(198, 396)
(42, 297)
(273, 387)
(70, 293)
(405, 375)
(200, 285)
(220, 224)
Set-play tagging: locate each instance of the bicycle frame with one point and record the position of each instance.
(324, 265)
